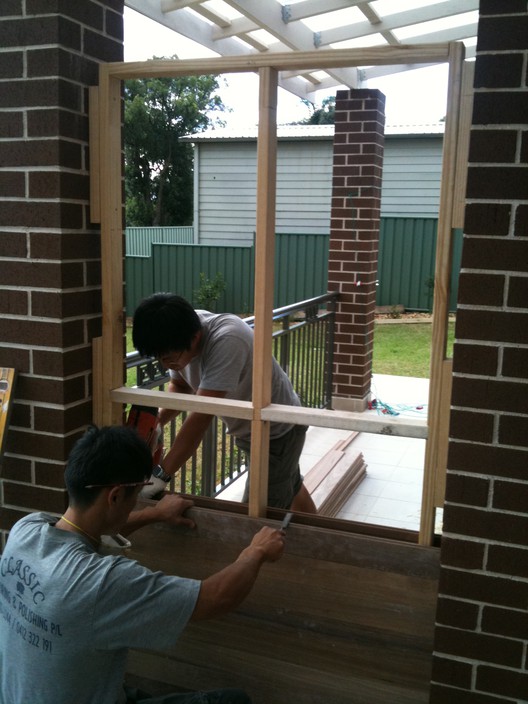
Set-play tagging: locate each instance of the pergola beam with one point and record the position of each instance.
(312, 8)
(397, 21)
(295, 36)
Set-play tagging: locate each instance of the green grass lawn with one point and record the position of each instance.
(404, 349)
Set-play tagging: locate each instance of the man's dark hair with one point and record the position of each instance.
(108, 455)
(163, 323)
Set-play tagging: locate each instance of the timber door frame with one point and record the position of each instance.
(109, 394)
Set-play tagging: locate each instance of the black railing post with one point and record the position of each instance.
(284, 360)
(329, 356)
(209, 450)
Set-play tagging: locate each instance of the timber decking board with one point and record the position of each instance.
(334, 478)
(339, 485)
(235, 531)
(349, 624)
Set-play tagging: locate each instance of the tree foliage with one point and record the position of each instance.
(158, 166)
(324, 115)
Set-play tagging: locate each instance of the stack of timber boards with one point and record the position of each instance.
(332, 481)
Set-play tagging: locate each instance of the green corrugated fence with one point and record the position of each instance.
(139, 239)
(178, 268)
(405, 271)
(406, 263)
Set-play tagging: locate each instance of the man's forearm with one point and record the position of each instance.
(165, 415)
(170, 510)
(226, 589)
(137, 519)
(186, 442)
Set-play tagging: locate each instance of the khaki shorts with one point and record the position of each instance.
(284, 477)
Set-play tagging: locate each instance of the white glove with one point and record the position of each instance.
(151, 491)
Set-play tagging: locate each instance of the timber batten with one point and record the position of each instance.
(339, 616)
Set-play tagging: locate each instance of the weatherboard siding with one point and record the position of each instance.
(227, 190)
(411, 177)
(227, 186)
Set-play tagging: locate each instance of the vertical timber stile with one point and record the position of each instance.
(440, 377)
(111, 205)
(264, 279)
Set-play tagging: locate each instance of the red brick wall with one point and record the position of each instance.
(49, 252)
(481, 641)
(354, 239)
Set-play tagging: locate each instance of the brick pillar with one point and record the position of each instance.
(354, 240)
(481, 630)
(49, 253)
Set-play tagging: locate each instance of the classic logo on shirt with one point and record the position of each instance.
(27, 578)
(25, 621)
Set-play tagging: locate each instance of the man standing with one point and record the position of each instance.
(212, 355)
(69, 614)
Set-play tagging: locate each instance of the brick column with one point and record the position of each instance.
(481, 630)
(49, 253)
(354, 240)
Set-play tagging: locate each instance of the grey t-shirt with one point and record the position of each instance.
(68, 616)
(225, 363)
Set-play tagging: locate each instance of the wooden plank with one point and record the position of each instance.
(264, 279)
(441, 289)
(338, 486)
(342, 420)
(288, 61)
(339, 613)
(347, 420)
(324, 466)
(319, 471)
(7, 383)
(229, 530)
(265, 238)
(183, 402)
(113, 346)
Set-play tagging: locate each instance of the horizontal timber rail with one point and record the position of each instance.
(284, 61)
(345, 420)
(183, 402)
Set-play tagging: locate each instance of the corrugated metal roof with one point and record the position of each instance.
(311, 132)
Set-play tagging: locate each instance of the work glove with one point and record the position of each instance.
(154, 490)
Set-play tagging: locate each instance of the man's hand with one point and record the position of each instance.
(225, 590)
(270, 542)
(170, 508)
(155, 490)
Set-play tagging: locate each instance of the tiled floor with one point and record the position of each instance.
(390, 494)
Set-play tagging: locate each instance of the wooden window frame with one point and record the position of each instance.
(109, 394)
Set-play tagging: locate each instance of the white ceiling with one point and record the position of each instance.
(235, 27)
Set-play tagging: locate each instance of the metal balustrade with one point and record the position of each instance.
(303, 344)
